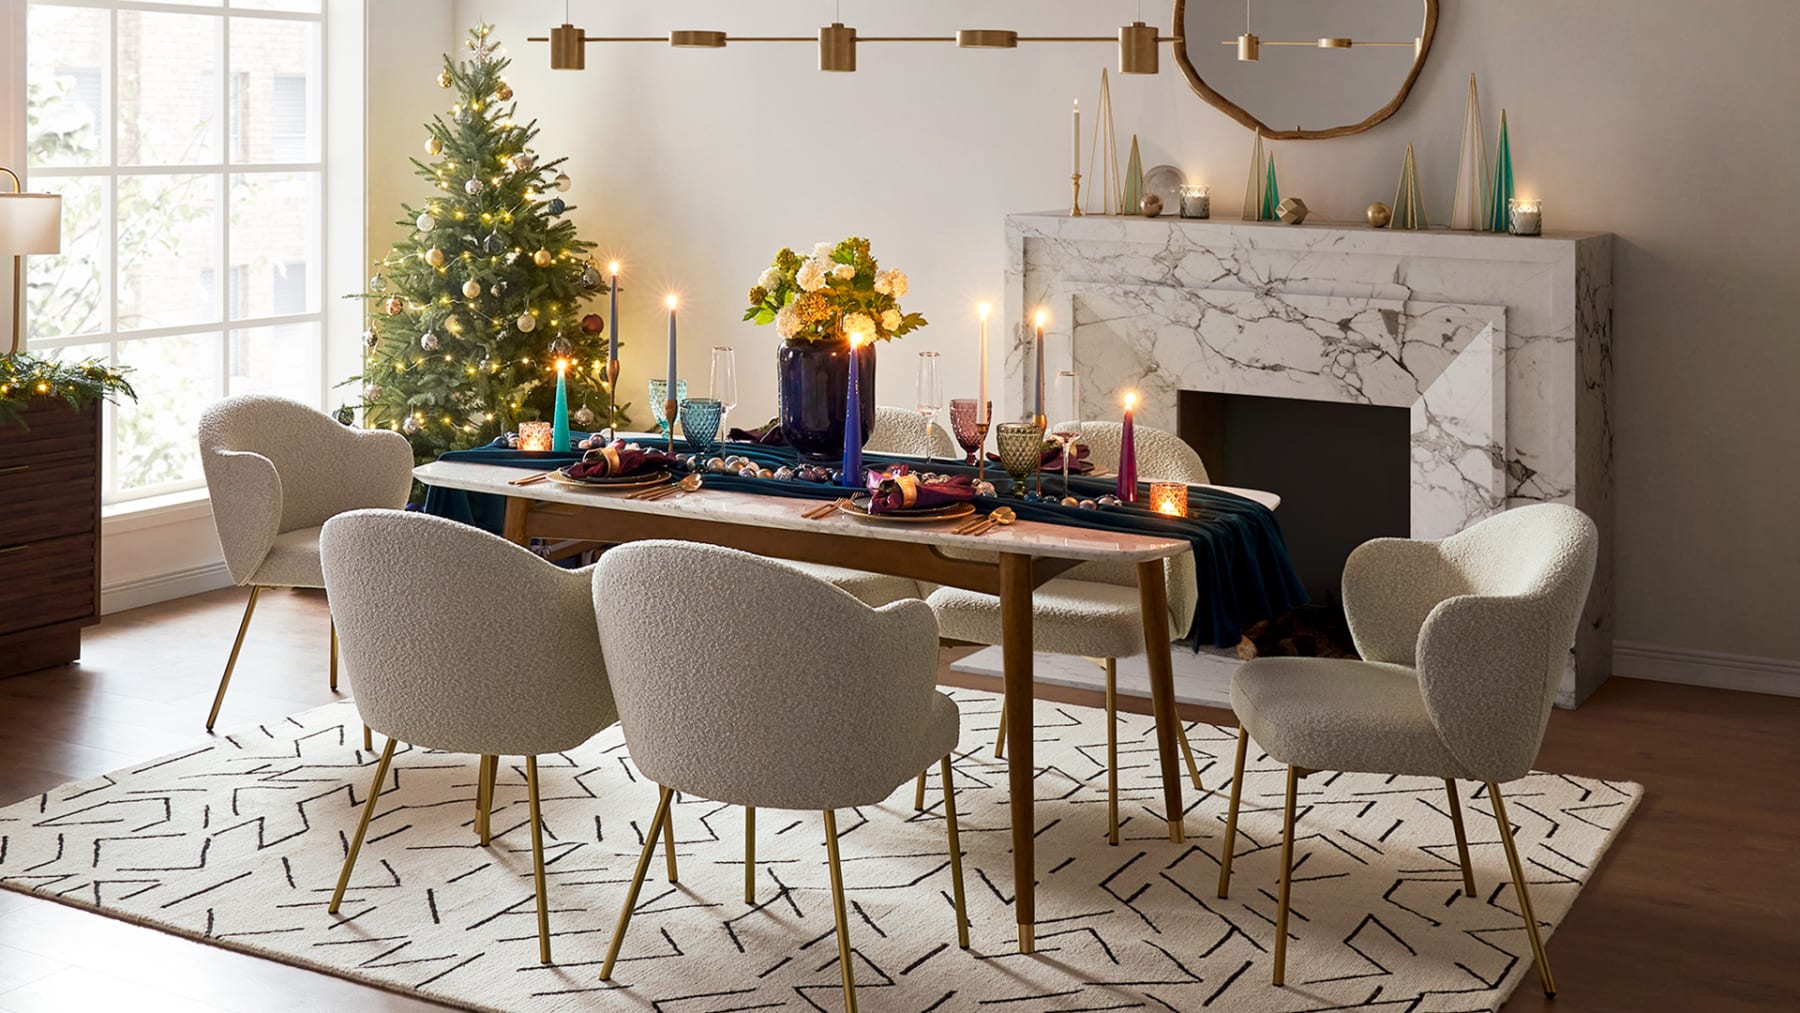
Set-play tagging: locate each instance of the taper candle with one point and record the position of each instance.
(1128, 484)
(612, 339)
(559, 434)
(981, 406)
(1037, 406)
(672, 402)
(853, 466)
(1076, 168)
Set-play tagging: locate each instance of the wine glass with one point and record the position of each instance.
(931, 400)
(1065, 417)
(1021, 446)
(724, 383)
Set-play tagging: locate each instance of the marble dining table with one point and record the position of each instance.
(1009, 562)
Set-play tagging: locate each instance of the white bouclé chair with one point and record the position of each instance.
(1464, 643)
(275, 471)
(460, 641)
(741, 681)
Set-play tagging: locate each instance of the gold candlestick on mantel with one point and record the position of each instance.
(1075, 208)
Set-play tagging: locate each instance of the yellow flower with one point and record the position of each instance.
(757, 295)
(813, 307)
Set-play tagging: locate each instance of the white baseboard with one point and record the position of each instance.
(1777, 676)
(130, 594)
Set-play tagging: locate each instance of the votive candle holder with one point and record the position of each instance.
(1527, 216)
(1196, 200)
(537, 436)
(1169, 498)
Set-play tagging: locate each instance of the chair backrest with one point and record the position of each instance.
(456, 639)
(323, 466)
(1490, 659)
(902, 431)
(1162, 456)
(745, 682)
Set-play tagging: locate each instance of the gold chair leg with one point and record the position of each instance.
(1518, 875)
(1187, 753)
(231, 662)
(1462, 841)
(919, 794)
(368, 739)
(1112, 751)
(334, 655)
(669, 846)
(1000, 736)
(537, 860)
(486, 773)
(837, 904)
(362, 828)
(1231, 814)
(637, 883)
(956, 870)
(749, 854)
(1287, 876)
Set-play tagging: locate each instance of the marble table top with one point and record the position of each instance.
(1030, 538)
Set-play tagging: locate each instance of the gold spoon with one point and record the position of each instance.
(1001, 517)
(691, 483)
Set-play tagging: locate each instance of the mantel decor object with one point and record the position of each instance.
(1526, 216)
(1103, 157)
(1254, 189)
(1196, 201)
(1469, 210)
(1379, 215)
(1293, 211)
(1409, 202)
(1499, 219)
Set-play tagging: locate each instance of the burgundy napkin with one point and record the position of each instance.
(618, 461)
(900, 489)
(1052, 460)
(768, 435)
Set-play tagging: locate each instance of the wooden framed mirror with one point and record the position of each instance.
(1304, 69)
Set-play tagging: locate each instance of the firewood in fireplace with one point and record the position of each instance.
(1310, 631)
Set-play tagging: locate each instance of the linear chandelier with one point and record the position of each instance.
(1139, 43)
(1249, 45)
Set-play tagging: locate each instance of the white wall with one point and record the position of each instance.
(1668, 123)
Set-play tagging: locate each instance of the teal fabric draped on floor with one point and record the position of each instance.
(1241, 561)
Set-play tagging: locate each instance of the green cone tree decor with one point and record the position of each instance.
(469, 315)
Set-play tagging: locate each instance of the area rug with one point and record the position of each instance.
(238, 843)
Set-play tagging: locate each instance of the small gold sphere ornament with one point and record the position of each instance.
(425, 222)
(524, 161)
(541, 258)
(396, 306)
(1379, 215)
(1292, 211)
(433, 146)
(563, 182)
(471, 288)
(1151, 205)
(527, 323)
(505, 93)
(444, 79)
(434, 257)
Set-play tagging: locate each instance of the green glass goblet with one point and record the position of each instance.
(1021, 446)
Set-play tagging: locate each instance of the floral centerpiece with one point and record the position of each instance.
(817, 304)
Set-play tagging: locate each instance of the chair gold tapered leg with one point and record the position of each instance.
(837, 905)
(334, 655)
(1112, 751)
(956, 872)
(537, 860)
(231, 662)
(750, 854)
(1287, 876)
(362, 828)
(1187, 753)
(919, 794)
(368, 739)
(486, 773)
(637, 883)
(1231, 814)
(669, 846)
(1518, 875)
(1462, 841)
(1000, 736)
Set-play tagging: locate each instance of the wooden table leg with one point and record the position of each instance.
(1153, 601)
(514, 525)
(1015, 643)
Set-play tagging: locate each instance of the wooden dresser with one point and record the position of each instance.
(49, 535)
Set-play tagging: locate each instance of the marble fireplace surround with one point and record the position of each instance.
(1499, 346)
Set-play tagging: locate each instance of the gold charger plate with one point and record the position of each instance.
(948, 512)
(660, 477)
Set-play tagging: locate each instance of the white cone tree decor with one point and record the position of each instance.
(1473, 197)
(1255, 189)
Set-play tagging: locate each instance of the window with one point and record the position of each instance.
(186, 140)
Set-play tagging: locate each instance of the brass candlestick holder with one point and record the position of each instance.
(671, 409)
(1043, 426)
(1075, 208)
(612, 400)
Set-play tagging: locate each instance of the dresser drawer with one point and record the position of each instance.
(48, 497)
(44, 582)
(52, 427)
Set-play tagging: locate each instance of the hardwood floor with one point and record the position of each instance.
(1694, 908)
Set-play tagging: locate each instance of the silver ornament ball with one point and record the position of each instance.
(527, 323)
(428, 341)
(425, 222)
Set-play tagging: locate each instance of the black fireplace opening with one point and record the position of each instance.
(1343, 471)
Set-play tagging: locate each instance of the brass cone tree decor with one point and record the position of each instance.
(1409, 203)
(1473, 208)
(1103, 158)
(1134, 180)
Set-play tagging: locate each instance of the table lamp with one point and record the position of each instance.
(29, 223)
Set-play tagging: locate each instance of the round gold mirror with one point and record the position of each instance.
(1304, 69)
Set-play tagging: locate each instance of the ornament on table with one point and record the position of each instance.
(590, 277)
(434, 257)
(425, 222)
(428, 341)
(593, 323)
(434, 146)
(524, 161)
(541, 258)
(505, 92)
(1293, 210)
(377, 283)
(563, 182)
(471, 289)
(1151, 205)
(561, 349)
(1499, 219)
(474, 187)
(1379, 215)
(583, 416)
(395, 306)
(556, 206)
(1409, 201)
(526, 323)
(1469, 211)
(1259, 179)
(444, 79)
(410, 426)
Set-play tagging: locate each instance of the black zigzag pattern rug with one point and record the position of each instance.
(238, 843)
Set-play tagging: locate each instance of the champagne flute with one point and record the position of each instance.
(931, 400)
(1065, 418)
(724, 383)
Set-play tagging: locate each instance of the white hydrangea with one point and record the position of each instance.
(769, 279)
(898, 282)
(843, 272)
(884, 284)
(823, 251)
(860, 325)
(787, 321)
(811, 276)
(890, 321)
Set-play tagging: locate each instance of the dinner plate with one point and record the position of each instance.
(560, 477)
(859, 508)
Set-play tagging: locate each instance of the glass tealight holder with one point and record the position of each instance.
(536, 436)
(1526, 216)
(1196, 200)
(1169, 498)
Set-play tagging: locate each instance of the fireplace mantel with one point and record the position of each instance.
(1500, 346)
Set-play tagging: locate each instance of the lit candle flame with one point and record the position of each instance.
(672, 300)
(1130, 400)
(612, 268)
(1042, 317)
(984, 309)
(562, 365)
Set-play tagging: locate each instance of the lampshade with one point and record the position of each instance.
(30, 223)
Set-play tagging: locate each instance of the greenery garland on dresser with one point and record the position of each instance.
(24, 377)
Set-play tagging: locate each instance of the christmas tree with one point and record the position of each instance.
(471, 314)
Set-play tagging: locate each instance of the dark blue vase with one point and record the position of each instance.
(814, 379)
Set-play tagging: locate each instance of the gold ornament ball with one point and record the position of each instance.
(505, 93)
(527, 323)
(1292, 211)
(444, 79)
(541, 258)
(1151, 205)
(1379, 215)
(396, 306)
(434, 257)
(433, 146)
(471, 288)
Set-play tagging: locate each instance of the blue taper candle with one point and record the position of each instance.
(559, 433)
(612, 340)
(853, 466)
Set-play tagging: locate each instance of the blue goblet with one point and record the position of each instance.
(659, 393)
(700, 421)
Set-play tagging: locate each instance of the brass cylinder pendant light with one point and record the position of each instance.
(987, 38)
(1139, 52)
(697, 40)
(568, 48)
(837, 48)
(1249, 48)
